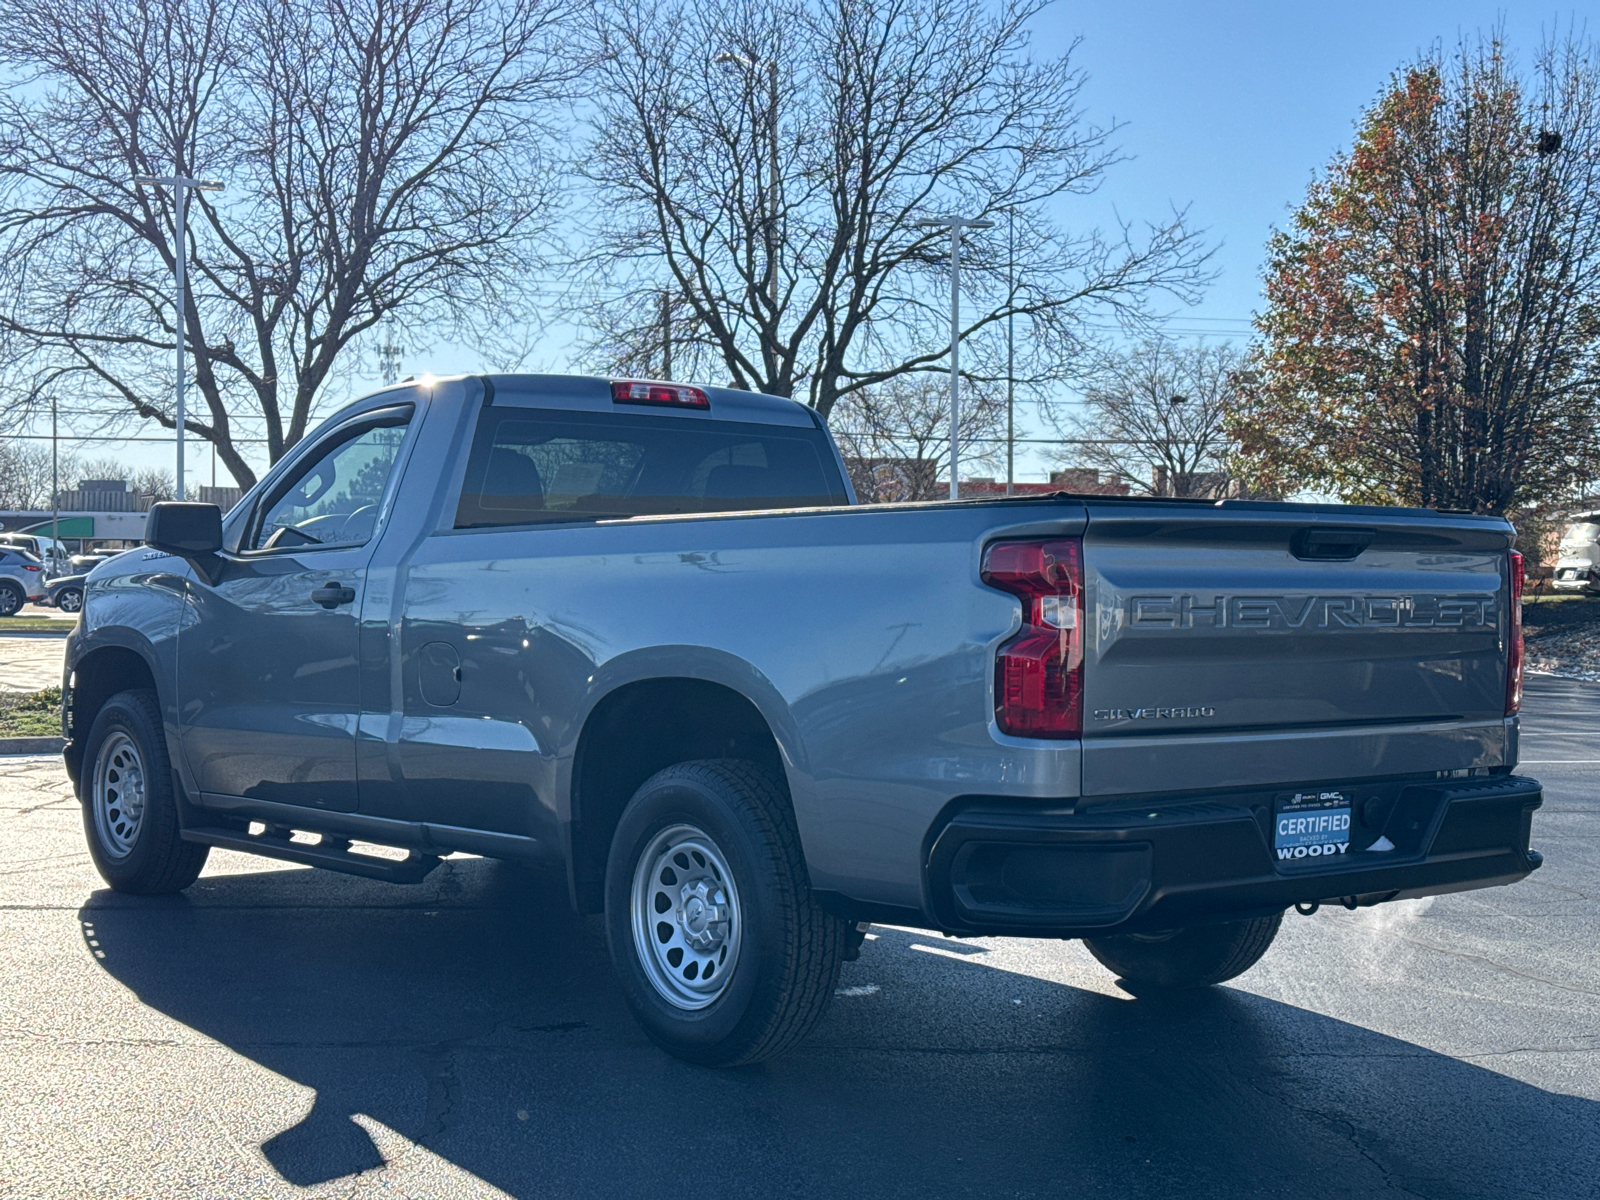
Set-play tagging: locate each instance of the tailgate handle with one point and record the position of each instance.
(1330, 545)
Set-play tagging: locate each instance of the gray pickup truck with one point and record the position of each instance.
(642, 631)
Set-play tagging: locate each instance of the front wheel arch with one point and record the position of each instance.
(96, 677)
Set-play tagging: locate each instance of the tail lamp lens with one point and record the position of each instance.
(1038, 679)
(1514, 647)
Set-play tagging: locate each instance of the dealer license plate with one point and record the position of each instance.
(1309, 826)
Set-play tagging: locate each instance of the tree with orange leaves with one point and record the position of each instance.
(1433, 309)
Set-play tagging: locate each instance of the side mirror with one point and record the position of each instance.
(190, 531)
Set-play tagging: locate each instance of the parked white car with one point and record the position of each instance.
(1578, 561)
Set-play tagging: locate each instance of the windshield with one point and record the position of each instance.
(1584, 531)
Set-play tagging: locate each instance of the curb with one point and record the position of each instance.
(37, 633)
(31, 745)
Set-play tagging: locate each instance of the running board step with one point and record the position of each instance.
(332, 853)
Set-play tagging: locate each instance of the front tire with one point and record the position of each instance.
(1187, 958)
(130, 809)
(69, 600)
(11, 599)
(723, 955)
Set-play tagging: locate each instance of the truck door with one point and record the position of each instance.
(268, 675)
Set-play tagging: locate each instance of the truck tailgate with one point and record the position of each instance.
(1233, 645)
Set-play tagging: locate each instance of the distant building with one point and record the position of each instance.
(1082, 481)
(102, 511)
(1212, 485)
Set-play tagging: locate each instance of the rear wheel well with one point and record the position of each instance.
(635, 732)
(98, 677)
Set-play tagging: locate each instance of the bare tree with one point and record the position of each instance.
(762, 164)
(895, 436)
(1154, 416)
(25, 474)
(381, 159)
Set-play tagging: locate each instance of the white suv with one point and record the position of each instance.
(21, 579)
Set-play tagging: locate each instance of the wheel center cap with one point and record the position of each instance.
(702, 914)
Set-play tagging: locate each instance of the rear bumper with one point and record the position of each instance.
(998, 869)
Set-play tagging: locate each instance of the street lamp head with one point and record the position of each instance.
(729, 59)
(953, 222)
(204, 185)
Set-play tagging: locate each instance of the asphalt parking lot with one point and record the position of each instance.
(278, 1031)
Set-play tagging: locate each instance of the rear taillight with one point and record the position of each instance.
(671, 395)
(27, 567)
(1038, 678)
(1514, 648)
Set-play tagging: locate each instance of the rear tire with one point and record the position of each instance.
(130, 810)
(1187, 958)
(11, 599)
(706, 871)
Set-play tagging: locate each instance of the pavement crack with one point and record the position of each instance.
(1351, 1133)
(444, 1088)
(558, 1027)
(62, 801)
(1499, 966)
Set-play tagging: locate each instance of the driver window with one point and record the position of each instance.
(333, 499)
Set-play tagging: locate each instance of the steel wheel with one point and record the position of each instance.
(686, 920)
(70, 600)
(118, 794)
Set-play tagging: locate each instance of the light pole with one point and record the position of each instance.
(955, 225)
(1011, 356)
(180, 185)
(55, 489)
(770, 199)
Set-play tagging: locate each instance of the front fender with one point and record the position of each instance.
(139, 613)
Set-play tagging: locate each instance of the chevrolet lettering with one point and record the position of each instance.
(641, 632)
(1183, 611)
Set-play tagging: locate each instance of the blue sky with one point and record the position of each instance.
(1229, 109)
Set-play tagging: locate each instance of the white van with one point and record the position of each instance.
(1578, 560)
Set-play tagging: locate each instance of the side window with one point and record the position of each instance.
(332, 497)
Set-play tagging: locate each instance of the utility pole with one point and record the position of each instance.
(55, 488)
(389, 355)
(666, 335)
(1011, 358)
(180, 185)
(955, 225)
(772, 185)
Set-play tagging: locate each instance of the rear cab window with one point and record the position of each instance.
(531, 466)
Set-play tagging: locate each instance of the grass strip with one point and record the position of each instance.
(31, 714)
(35, 625)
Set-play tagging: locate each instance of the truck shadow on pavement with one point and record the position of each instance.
(475, 1016)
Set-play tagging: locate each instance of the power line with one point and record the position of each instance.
(72, 437)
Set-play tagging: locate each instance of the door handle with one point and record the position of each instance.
(332, 594)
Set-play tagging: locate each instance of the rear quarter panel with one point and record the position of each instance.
(864, 636)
